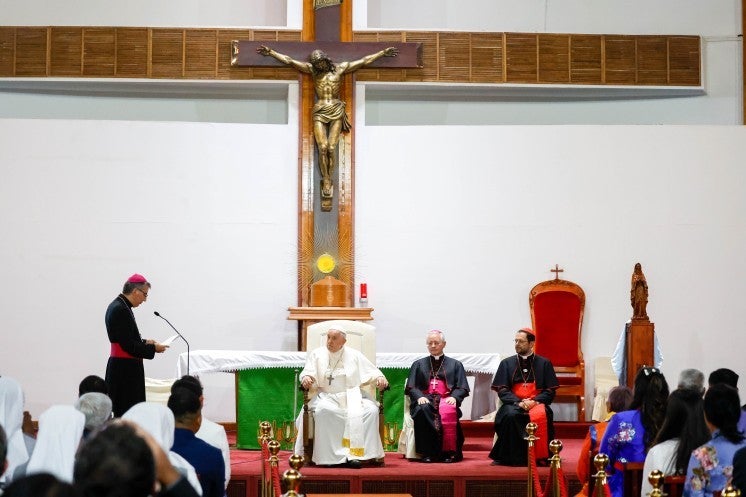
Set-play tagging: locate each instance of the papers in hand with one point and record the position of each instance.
(169, 340)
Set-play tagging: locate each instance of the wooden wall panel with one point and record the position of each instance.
(521, 58)
(200, 54)
(66, 52)
(554, 58)
(487, 58)
(99, 52)
(586, 59)
(684, 55)
(429, 70)
(132, 52)
(31, 52)
(621, 56)
(392, 74)
(7, 52)
(652, 60)
(454, 57)
(167, 53)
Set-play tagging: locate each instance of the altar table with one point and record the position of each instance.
(267, 388)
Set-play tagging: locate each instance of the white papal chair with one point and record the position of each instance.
(360, 336)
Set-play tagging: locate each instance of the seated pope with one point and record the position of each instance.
(436, 387)
(526, 384)
(345, 419)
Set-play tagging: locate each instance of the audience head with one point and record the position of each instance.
(723, 375)
(649, 396)
(692, 379)
(436, 342)
(155, 419)
(11, 419)
(40, 485)
(190, 383)
(186, 408)
(684, 421)
(96, 407)
(335, 339)
(3, 450)
(92, 383)
(115, 462)
(723, 410)
(619, 399)
(60, 431)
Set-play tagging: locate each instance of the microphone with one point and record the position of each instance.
(180, 336)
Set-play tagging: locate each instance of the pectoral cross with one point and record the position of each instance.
(330, 377)
(434, 383)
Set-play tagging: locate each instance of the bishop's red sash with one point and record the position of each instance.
(536, 414)
(446, 412)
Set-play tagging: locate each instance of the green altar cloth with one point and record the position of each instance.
(269, 394)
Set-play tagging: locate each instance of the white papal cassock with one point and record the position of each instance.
(345, 418)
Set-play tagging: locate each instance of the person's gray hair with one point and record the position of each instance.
(96, 407)
(338, 330)
(437, 332)
(692, 379)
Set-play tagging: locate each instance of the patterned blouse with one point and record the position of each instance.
(711, 466)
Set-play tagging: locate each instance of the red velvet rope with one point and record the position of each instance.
(547, 491)
(266, 470)
(276, 481)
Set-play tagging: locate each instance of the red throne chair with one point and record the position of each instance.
(557, 316)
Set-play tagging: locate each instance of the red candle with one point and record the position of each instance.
(363, 290)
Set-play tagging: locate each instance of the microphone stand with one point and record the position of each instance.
(180, 336)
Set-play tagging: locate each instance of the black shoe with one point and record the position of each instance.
(449, 459)
(354, 464)
(426, 459)
(496, 463)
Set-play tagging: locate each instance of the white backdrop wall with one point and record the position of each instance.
(456, 224)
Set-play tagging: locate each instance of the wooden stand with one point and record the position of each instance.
(309, 315)
(639, 347)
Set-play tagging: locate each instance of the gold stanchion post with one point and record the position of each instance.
(292, 477)
(600, 462)
(555, 464)
(530, 438)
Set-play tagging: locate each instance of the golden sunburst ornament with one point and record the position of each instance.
(326, 263)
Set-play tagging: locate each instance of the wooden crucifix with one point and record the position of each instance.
(557, 271)
(326, 224)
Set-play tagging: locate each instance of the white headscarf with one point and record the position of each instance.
(11, 418)
(158, 421)
(60, 432)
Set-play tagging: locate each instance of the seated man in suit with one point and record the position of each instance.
(436, 387)
(526, 384)
(346, 423)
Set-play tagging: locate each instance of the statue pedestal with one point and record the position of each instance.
(309, 315)
(639, 347)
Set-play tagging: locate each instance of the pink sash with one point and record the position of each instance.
(447, 413)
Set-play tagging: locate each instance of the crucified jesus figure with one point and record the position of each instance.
(329, 116)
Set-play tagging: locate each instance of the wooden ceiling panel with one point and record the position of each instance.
(521, 58)
(99, 52)
(373, 74)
